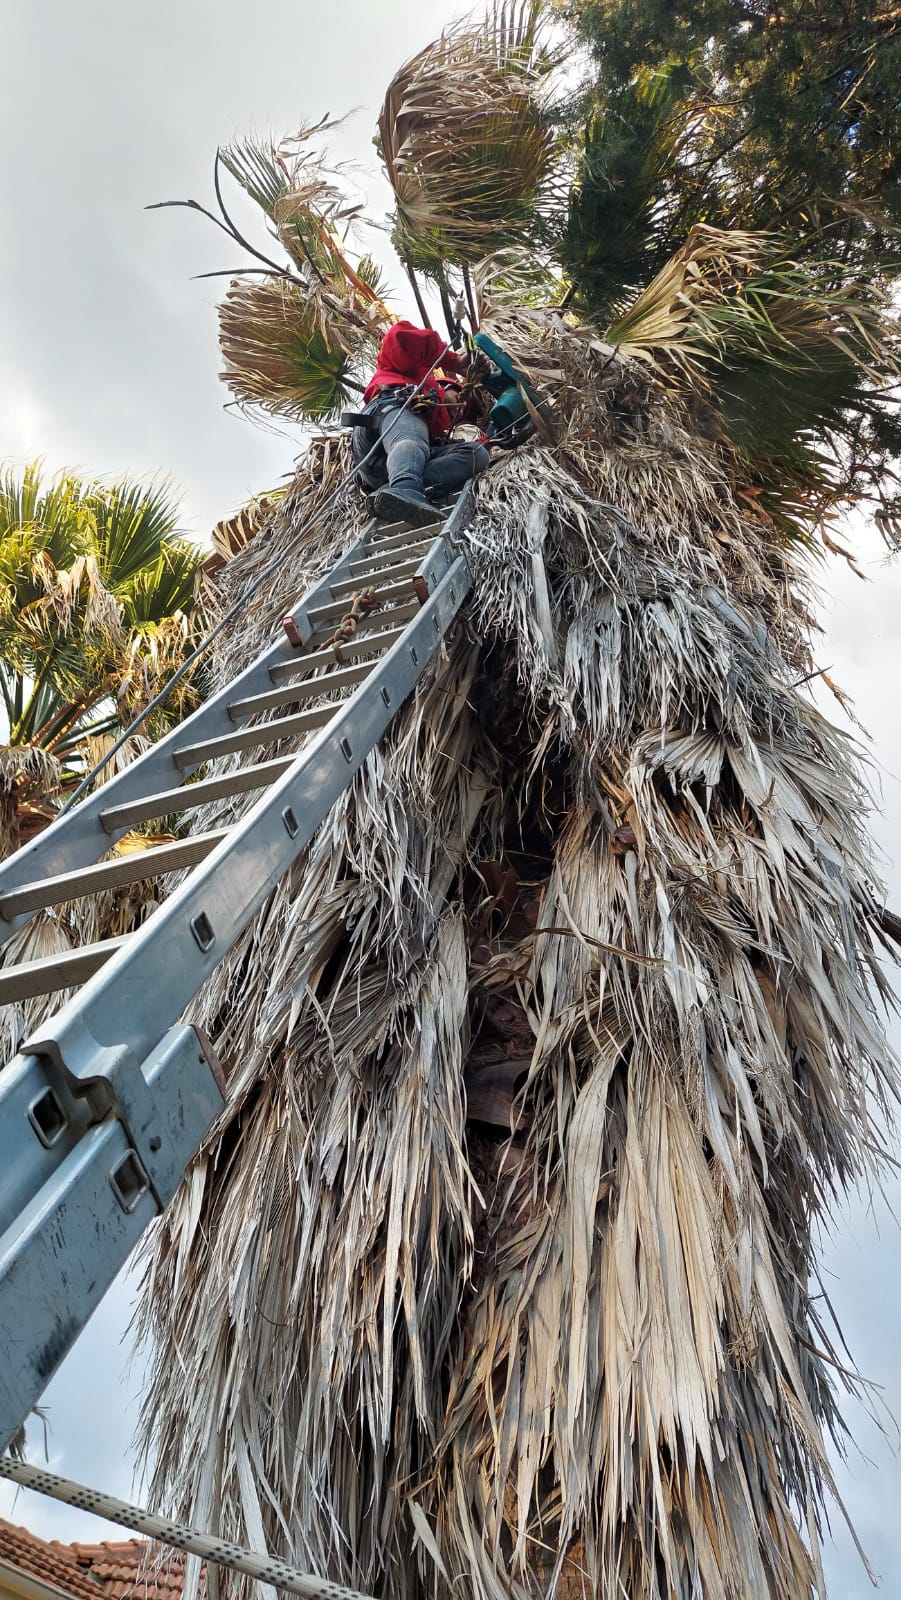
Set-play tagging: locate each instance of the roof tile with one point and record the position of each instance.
(106, 1571)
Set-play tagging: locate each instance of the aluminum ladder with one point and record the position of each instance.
(107, 1100)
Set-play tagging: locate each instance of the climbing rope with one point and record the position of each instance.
(265, 1569)
(361, 605)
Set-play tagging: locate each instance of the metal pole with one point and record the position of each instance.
(266, 1569)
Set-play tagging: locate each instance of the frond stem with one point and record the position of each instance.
(470, 299)
(417, 294)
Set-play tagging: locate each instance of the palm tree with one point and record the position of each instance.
(96, 593)
(498, 1272)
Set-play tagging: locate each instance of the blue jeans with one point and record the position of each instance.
(407, 458)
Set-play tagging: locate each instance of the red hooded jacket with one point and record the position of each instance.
(406, 355)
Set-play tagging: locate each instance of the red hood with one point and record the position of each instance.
(407, 354)
(408, 351)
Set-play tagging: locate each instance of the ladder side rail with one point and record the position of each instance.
(79, 1056)
(69, 1243)
(78, 838)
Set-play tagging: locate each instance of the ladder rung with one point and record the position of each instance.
(390, 533)
(384, 530)
(380, 576)
(385, 533)
(368, 566)
(336, 609)
(194, 755)
(368, 644)
(309, 689)
(377, 544)
(169, 801)
(132, 868)
(369, 623)
(65, 970)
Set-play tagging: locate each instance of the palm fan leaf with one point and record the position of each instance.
(133, 523)
(55, 516)
(309, 214)
(726, 296)
(467, 146)
(632, 201)
(789, 363)
(281, 354)
(255, 165)
(165, 589)
(671, 325)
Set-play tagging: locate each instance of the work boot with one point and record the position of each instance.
(398, 503)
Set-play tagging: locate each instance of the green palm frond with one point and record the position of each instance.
(370, 273)
(134, 522)
(55, 516)
(279, 354)
(164, 589)
(256, 167)
(632, 201)
(466, 142)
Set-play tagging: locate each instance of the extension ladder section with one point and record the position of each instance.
(108, 1099)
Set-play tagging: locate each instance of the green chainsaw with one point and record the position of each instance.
(511, 418)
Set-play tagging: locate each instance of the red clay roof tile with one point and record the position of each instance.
(106, 1571)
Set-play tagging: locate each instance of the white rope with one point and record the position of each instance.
(267, 1569)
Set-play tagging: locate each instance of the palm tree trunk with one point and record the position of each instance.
(499, 1264)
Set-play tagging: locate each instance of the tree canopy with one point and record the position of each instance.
(792, 111)
(96, 592)
(785, 121)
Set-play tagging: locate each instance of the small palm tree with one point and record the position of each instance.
(96, 595)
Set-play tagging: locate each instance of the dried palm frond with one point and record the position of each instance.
(78, 590)
(726, 300)
(418, 1356)
(310, 214)
(28, 762)
(97, 747)
(45, 934)
(466, 143)
(232, 533)
(28, 775)
(514, 278)
(154, 652)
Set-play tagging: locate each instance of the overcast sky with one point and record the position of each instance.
(109, 363)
